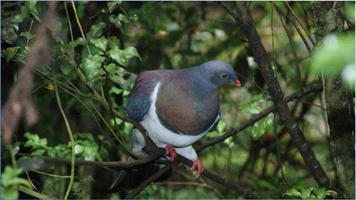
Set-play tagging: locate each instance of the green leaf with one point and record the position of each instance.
(112, 5)
(113, 42)
(111, 68)
(118, 55)
(10, 182)
(128, 128)
(115, 90)
(8, 33)
(23, 14)
(333, 54)
(32, 7)
(116, 21)
(9, 174)
(221, 126)
(254, 106)
(122, 56)
(10, 53)
(229, 141)
(331, 193)
(321, 193)
(78, 149)
(293, 192)
(37, 144)
(123, 18)
(39, 152)
(90, 152)
(10, 193)
(130, 52)
(79, 41)
(306, 192)
(92, 66)
(115, 121)
(100, 43)
(96, 30)
(61, 151)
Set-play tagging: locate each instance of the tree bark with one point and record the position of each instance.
(339, 102)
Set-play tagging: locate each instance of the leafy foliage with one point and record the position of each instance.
(10, 181)
(304, 192)
(120, 39)
(254, 106)
(85, 147)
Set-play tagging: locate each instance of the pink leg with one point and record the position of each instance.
(171, 151)
(198, 167)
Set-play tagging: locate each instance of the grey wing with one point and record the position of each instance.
(139, 101)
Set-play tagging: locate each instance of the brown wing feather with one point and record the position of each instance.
(186, 108)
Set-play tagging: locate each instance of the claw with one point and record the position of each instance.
(198, 167)
(171, 151)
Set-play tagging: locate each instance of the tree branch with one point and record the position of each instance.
(276, 93)
(238, 187)
(149, 180)
(259, 116)
(114, 164)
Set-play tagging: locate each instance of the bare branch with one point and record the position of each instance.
(114, 164)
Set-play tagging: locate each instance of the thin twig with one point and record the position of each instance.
(29, 31)
(80, 26)
(48, 174)
(293, 50)
(30, 181)
(34, 193)
(300, 22)
(278, 150)
(72, 142)
(280, 11)
(69, 21)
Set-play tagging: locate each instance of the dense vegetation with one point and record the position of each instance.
(68, 67)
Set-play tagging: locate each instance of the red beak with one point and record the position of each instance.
(237, 83)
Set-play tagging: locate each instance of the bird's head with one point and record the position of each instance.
(220, 73)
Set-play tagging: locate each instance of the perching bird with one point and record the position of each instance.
(178, 107)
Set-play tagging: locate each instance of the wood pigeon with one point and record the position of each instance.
(178, 107)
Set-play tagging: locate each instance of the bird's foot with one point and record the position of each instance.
(198, 167)
(171, 152)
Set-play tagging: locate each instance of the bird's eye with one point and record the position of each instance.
(224, 76)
